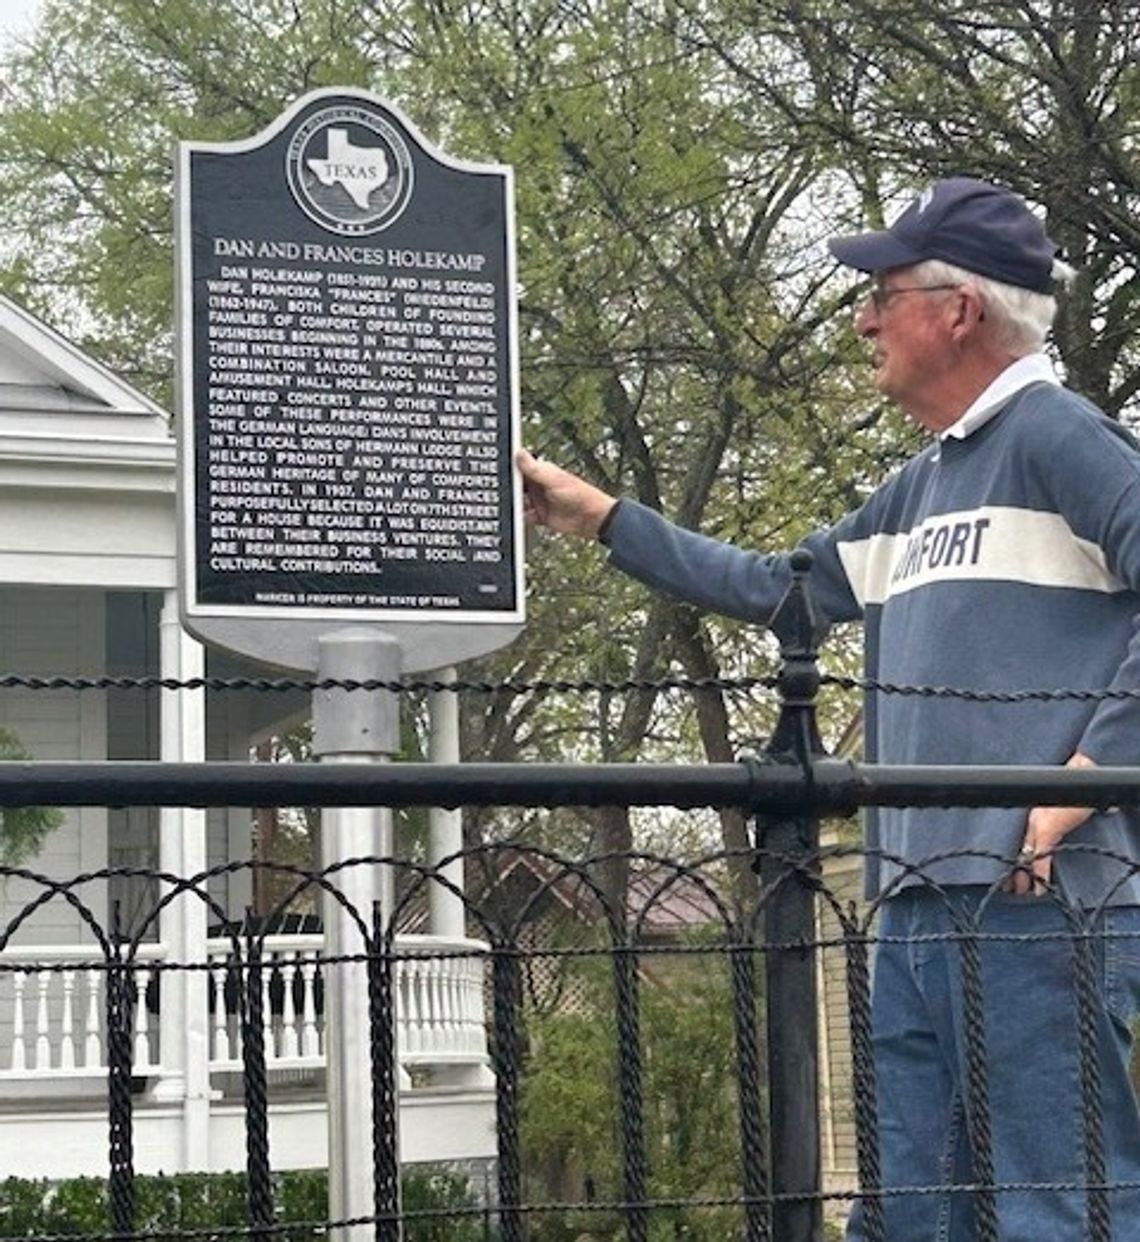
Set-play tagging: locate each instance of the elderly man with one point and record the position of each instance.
(1005, 556)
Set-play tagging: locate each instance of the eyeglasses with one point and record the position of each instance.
(881, 298)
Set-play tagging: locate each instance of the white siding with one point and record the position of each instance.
(48, 632)
(229, 829)
(133, 718)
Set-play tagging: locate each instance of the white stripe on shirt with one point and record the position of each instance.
(994, 543)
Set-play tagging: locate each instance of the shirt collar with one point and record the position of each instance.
(1032, 369)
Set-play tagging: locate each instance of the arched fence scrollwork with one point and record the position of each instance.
(674, 1055)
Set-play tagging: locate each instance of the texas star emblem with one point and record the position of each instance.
(360, 170)
(349, 169)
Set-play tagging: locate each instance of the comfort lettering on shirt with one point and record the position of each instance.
(947, 544)
(994, 543)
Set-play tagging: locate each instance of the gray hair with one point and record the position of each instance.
(1022, 317)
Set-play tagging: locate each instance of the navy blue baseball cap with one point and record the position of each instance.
(969, 223)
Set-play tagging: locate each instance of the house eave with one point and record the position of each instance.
(55, 400)
(99, 462)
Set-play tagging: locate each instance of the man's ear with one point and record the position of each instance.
(969, 312)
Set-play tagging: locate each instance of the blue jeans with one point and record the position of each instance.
(1029, 1011)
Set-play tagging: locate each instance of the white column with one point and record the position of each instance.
(184, 1025)
(445, 839)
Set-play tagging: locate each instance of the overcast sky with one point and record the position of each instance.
(16, 16)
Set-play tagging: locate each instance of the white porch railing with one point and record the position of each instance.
(52, 1020)
(439, 1002)
(293, 1027)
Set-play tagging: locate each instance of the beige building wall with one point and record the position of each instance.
(843, 882)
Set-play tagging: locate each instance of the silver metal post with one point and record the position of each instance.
(445, 824)
(353, 726)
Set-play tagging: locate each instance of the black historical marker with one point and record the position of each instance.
(348, 379)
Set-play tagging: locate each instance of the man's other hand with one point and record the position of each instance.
(1045, 829)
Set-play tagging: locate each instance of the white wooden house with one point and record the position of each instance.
(88, 588)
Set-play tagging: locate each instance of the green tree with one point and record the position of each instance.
(571, 1129)
(1040, 95)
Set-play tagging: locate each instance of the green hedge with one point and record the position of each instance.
(200, 1202)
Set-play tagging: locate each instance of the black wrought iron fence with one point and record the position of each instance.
(656, 1066)
(657, 1063)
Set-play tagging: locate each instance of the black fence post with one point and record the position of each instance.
(754, 1166)
(866, 1114)
(788, 864)
(506, 1059)
(120, 1001)
(1099, 1219)
(259, 1187)
(385, 1087)
(630, 1089)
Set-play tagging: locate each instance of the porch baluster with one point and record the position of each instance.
(434, 1015)
(289, 1042)
(92, 1043)
(142, 1019)
(406, 1022)
(222, 1048)
(310, 1035)
(267, 1021)
(454, 984)
(43, 1032)
(423, 1004)
(474, 1009)
(446, 983)
(67, 1023)
(19, 1052)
